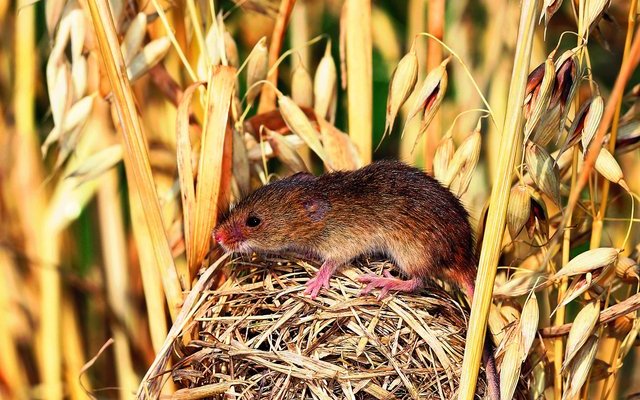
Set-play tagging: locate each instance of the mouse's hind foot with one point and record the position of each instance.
(388, 283)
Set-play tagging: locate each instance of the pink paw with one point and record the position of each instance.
(387, 283)
(315, 285)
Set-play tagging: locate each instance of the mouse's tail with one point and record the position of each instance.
(493, 378)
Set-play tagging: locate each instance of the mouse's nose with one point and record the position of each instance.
(218, 236)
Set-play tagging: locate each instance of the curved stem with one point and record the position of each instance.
(284, 55)
(466, 69)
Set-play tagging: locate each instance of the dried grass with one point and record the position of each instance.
(257, 335)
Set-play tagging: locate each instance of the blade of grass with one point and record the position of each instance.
(267, 94)
(490, 252)
(185, 171)
(359, 75)
(213, 178)
(136, 156)
(116, 269)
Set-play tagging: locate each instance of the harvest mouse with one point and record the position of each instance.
(386, 207)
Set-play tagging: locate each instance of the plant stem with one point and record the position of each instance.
(510, 142)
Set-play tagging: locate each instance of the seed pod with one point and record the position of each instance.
(442, 158)
(539, 101)
(325, 87)
(543, 171)
(566, 83)
(579, 370)
(134, 37)
(518, 209)
(231, 50)
(150, 55)
(529, 324)
(577, 127)
(285, 151)
(628, 270)
(301, 86)
(591, 121)
(257, 68)
(549, 8)
(464, 162)
(608, 167)
(581, 330)
(594, 11)
(339, 148)
(403, 81)
(299, 124)
(430, 96)
(510, 368)
(588, 261)
(79, 77)
(548, 127)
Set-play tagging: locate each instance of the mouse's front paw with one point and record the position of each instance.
(315, 285)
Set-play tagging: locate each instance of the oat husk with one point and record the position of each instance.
(258, 336)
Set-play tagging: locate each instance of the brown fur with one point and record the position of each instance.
(387, 207)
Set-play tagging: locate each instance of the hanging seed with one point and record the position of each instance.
(301, 86)
(581, 330)
(403, 81)
(231, 50)
(463, 163)
(591, 121)
(299, 124)
(210, 55)
(430, 95)
(442, 158)
(629, 136)
(575, 132)
(540, 98)
(79, 77)
(543, 171)
(608, 167)
(538, 218)
(518, 209)
(549, 8)
(510, 368)
(594, 11)
(529, 324)
(621, 326)
(548, 127)
(285, 151)
(325, 85)
(339, 147)
(588, 261)
(628, 270)
(150, 55)
(579, 369)
(132, 42)
(257, 68)
(566, 83)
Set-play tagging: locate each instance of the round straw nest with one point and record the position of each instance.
(259, 336)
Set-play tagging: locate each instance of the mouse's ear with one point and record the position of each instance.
(301, 177)
(316, 207)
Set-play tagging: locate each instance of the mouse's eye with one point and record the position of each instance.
(252, 222)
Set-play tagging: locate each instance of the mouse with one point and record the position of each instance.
(386, 207)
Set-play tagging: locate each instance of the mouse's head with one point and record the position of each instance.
(284, 214)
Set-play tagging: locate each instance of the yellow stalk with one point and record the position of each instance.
(72, 346)
(490, 252)
(435, 23)
(114, 250)
(609, 349)
(12, 366)
(135, 151)
(41, 243)
(267, 94)
(197, 28)
(359, 75)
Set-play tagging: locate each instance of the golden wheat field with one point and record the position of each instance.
(129, 129)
